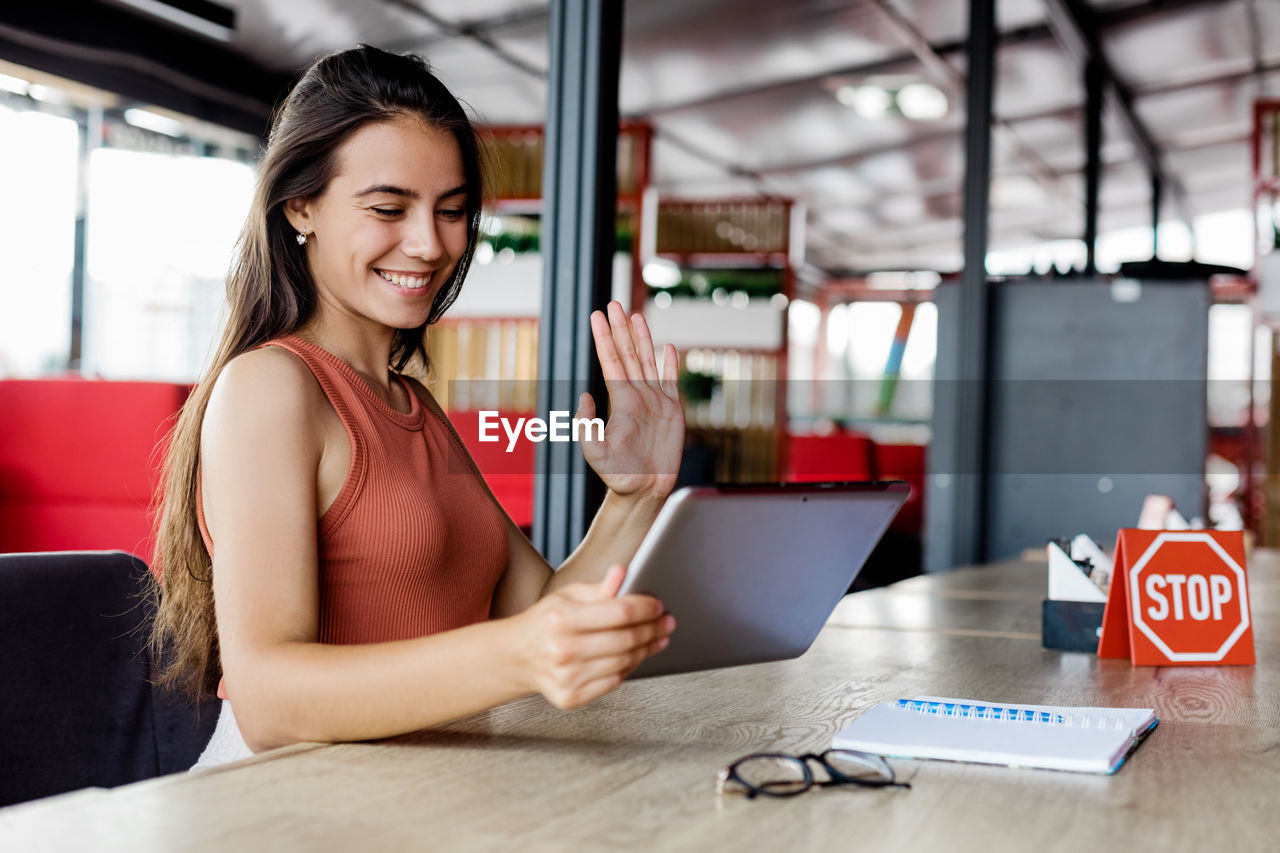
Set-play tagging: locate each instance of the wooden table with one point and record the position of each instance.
(636, 770)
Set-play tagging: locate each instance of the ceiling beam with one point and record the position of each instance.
(1074, 26)
(950, 188)
(477, 26)
(466, 31)
(955, 85)
(1255, 45)
(141, 59)
(857, 155)
(1028, 34)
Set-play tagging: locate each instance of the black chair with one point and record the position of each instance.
(79, 709)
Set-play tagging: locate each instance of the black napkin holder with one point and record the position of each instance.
(1071, 626)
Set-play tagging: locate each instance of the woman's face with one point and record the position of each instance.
(390, 227)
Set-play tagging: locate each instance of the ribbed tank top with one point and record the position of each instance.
(413, 544)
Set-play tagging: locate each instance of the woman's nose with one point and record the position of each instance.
(422, 240)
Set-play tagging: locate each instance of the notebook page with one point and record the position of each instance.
(1060, 738)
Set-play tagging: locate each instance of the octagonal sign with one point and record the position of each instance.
(1187, 599)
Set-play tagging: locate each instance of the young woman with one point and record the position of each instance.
(332, 564)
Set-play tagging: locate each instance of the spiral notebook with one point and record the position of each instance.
(1085, 740)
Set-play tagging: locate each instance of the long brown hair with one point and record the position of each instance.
(271, 293)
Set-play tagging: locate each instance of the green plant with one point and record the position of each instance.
(696, 386)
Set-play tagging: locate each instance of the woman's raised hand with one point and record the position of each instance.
(644, 435)
(580, 642)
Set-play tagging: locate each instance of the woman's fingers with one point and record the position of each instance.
(595, 645)
(585, 694)
(612, 581)
(670, 370)
(624, 341)
(587, 612)
(610, 363)
(586, 406)
(590, 638)
(600, 676)
(620, 663)
(626, 351)
(644, 347)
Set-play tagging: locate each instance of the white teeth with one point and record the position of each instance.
(410, 282)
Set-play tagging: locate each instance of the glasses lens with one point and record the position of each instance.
(859, 767)
(776, 774)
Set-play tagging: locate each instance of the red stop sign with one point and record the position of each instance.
(1188, 600)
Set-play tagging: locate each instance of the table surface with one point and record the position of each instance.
(636, 769)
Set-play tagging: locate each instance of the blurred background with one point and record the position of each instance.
(790, 214)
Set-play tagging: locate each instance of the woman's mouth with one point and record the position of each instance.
(408, 281)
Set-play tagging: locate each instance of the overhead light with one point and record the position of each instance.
(779, 301)
(847, 95)
(484, 252)
(154, 122)
(14, 84)
(660, 272)
(922, 102)
(662, 300)
(48, 94)
(1015, 191)
(903, 280)
(870, 102)
(200, 16)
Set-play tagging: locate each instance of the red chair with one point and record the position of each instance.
(839, 456)
(79, 462)
(905, 462)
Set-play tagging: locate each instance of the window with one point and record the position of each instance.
(38, 157)
(161, 233)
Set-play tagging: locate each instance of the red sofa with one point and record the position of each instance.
(854, 456)
(79, 462)
(509, 475)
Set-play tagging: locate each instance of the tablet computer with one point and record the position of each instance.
(753, 572)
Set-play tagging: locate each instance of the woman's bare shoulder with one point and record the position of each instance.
(266, 390)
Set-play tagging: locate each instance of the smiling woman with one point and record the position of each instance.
(392, 224)
(366, 582)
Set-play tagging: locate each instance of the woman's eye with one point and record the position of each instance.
(387, 211)
(453, 213)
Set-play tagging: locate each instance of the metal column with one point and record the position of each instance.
(1074, 23)
(957, 458)
(1157, 195)
(1093, 80)
(90, 122)
(578, 224)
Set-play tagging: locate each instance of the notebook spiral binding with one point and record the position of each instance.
(978, 711)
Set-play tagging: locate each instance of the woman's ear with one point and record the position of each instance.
(298, 212)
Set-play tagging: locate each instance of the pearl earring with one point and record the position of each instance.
(301, 238)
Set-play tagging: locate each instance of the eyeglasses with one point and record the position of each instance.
(777, 774)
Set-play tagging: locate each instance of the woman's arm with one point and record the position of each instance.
(259, 455)
(615, 534)
(638, 461)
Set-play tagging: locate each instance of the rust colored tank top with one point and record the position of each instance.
(413, 544)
